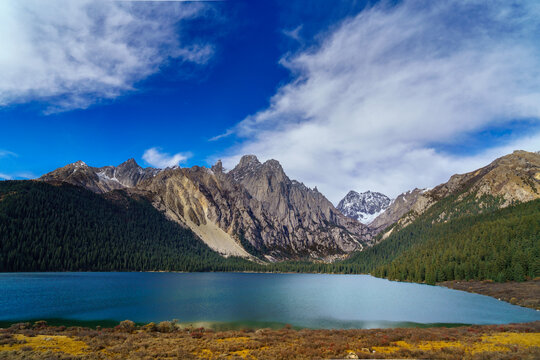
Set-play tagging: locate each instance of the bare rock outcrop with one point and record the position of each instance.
(397, 209)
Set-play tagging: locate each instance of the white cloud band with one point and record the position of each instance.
(72, 54)
(155, 157)
(370, 104)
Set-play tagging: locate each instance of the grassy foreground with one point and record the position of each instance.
(167, 341)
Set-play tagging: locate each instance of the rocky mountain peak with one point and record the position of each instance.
(103, 179)
(131, 163)
(217, 167)
(273, 171)
(248, 161)
(247, 167)
(273, 164)
(364, 207)
(79, 164)
(515, 177)
(281, 218)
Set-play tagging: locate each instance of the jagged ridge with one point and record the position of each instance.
(254, 202)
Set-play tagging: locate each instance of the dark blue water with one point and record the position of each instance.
(304, 300)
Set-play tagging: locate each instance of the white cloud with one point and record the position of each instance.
(18, 175)
(6, 153)
(155, 157)
(370, 103)
(294, 33)
(72, 54)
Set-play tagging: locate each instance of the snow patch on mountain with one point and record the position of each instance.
(364, 207)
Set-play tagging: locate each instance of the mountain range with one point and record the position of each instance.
(252, 210)
(255, 212)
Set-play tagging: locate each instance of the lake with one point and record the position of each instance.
(302, 300)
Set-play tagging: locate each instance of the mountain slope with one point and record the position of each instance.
(44, 227)
(483, 225)
(512, 178)
(397, 208)
(216, 209)
(506, 247)
(364, 207)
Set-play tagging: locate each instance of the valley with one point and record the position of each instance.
(212, 179)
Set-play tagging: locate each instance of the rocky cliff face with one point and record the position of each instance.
(364, 207)
(308, 222)
(216, 209)
(255, 206)
(512, 178)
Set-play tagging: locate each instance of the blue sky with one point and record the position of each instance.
(345, 94)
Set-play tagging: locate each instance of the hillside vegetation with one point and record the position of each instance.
(460, 239)
(46, 227)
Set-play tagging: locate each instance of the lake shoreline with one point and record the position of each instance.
(525, 294)
(222, 325)
(166, 340)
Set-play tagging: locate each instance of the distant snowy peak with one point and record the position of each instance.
(364, 207)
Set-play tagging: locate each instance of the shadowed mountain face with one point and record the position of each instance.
(255, 207)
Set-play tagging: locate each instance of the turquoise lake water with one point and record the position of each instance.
(303, 300)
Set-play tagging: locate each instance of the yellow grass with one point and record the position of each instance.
(242, 353)
(234, 339)
(209, 354)
(204, 354)
(56, 343)
(497, 342)
(482, 342)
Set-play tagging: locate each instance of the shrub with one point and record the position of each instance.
(150, 327)
(127, 325)
(166, 327)
(197, 334)
(20, 326)
(40, 324)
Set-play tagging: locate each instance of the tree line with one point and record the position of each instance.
(45, 227)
